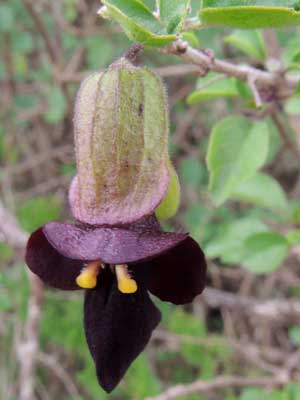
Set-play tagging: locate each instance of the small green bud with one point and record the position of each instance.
(170, 204)
(121, 139)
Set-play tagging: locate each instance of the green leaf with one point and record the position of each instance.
(191, 38)
(5, 302)
(137, 21)
(294, 212)
(173, 13)
(150, 4)
(293, 389)
(70, 339)
(195, 218)
(291, 52)
(292, 106)
(96, 45)
(211, 89)
(56, 106)
(37, 211)
(244, 91)
(6, 252)
(192, 172)
(141, 380)
(180, 322)
(253, 394)
(264, 252)
(237, 149)
(249, 14)
(68, 169)
(22, 42)
(21, 66)
(228, 243)
(275, 141)
(261, 190)
(249, 42)
(294, 334)
(25, 101)
(293, 237)
(170, 203)
(6, 18)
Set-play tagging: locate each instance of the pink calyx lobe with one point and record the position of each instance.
(121, 139)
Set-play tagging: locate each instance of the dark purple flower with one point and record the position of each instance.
(119, 265)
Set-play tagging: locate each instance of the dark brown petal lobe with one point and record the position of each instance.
(118, 326)
(52, 267)
(179, 275)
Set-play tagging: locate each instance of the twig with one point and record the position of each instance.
(217, 384)
(248, 351)
(28, 348)
(45, 187)
(52, 50)
(167, 71)
(284, 134)
(42, 29)
(277, 310)
(242, 72)
(53, 364)
(254, 90)
(60, 152)
(8, 62)
(10, 231)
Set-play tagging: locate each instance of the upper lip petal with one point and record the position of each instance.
(110, 245)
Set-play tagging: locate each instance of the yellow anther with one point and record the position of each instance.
(126, 284)
(88, 276)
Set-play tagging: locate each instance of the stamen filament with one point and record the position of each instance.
(88, 276)
(126, 284)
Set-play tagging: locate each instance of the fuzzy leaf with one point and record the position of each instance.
(249, 14)
(137, 21)
(237, 149)
(173, 13)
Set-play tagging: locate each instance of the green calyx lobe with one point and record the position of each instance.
(170, 204)
(121, 140)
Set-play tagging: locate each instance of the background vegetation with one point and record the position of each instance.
(245, 327)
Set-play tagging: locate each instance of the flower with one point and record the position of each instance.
(118, 265)
(117, 250)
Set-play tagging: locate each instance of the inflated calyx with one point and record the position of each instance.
(121, 139)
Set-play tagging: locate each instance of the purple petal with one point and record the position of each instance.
(179, 275)
(147, 224)
(110, 245)
(118, 327)
(52, 267)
